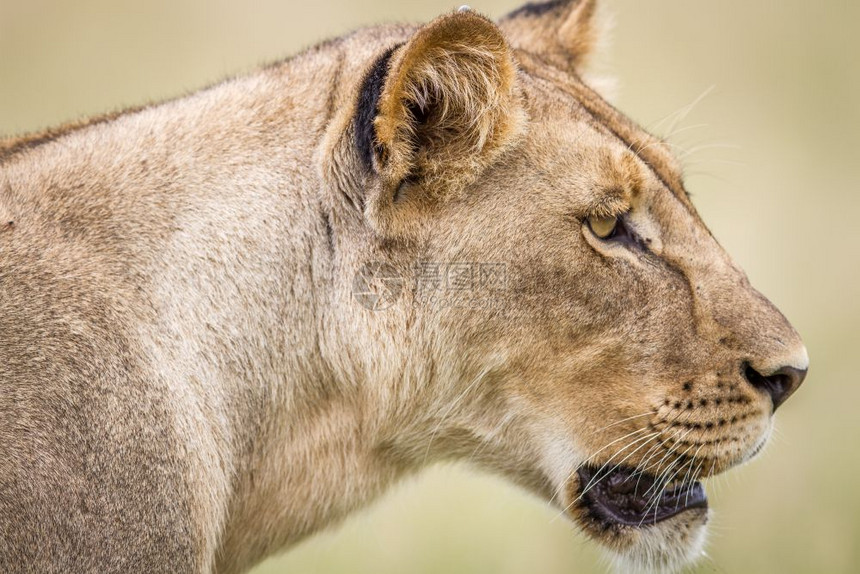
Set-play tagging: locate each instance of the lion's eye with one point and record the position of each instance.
(603, 227)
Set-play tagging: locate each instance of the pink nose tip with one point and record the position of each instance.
(779, 385)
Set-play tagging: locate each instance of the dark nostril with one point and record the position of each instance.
(779, 385)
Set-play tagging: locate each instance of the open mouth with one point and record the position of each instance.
(625, 496)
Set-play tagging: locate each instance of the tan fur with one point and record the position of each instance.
(564, 33)
(462, 62)
(189, 384)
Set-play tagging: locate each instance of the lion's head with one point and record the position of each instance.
(562, 314)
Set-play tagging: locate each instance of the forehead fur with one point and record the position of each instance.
(598, 171)
(562, 102)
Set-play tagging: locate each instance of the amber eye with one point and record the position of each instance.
(603, 227)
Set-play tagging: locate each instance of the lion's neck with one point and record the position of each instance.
(207, 218)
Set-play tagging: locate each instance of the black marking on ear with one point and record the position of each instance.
(535, 9)
(368, 108)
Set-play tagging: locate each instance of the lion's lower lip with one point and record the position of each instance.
(625, 496)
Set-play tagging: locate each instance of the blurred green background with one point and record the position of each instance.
(773, 162)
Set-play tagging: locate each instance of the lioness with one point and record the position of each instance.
(215, 338)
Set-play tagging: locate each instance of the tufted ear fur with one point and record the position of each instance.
(563, 32)
(433, 113)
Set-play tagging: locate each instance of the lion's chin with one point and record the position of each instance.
(666, 547)
(645, 525)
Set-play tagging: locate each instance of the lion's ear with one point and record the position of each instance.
(435, 111)
(562, 32)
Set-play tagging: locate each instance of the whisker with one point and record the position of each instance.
(624, 420)
(595, 479)
(603, 467)
(646, 464)
(587, 460)
(654, 499)
(677, 439)
(451, 407)
(695, 473)
(646, 458)
(608, 445)
(669, 452)
(702, 147)
(684, 129)
(489, 437)
(658, 493)
(714, 160)
(590, 458)
(685, 111)
(611, 458)
(690, 475)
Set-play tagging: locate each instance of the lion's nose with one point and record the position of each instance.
(778, 384)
